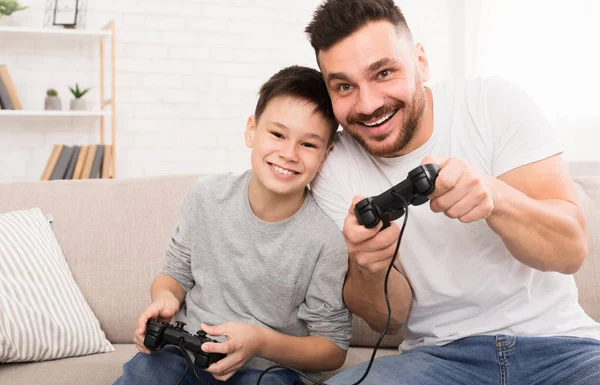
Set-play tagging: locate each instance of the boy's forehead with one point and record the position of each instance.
(292, 113)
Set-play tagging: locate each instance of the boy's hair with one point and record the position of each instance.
(335, 20)
(302, 83)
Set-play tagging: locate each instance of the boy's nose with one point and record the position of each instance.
(288, 152)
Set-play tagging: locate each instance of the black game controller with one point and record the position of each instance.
(159, 334)
(389, 206)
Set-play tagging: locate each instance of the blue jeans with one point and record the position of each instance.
(482, 360)
(166, 367)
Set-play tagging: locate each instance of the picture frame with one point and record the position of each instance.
(65, 13)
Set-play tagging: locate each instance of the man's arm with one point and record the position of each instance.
(536, 213)
(533, 208)
(370, 252)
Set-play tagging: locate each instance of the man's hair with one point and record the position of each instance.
(302, 83)
(335, 20)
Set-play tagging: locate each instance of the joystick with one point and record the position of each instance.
(159, 334)
(389, 205)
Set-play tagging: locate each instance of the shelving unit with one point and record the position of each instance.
(107, 108)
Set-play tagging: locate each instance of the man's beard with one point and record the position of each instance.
(412, 116)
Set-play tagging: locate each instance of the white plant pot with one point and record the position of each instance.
(78, 105)
(52, 103)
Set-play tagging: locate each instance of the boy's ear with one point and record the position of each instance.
(250, 130)
(325, 157)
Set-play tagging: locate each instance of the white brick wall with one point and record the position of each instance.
(187, 77)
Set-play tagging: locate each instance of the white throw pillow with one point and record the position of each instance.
(43, 314)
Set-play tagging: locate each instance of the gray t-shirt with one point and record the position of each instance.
(285, 276)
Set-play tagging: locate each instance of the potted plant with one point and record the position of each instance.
(78, 103)
(52, 101)
(7, 8)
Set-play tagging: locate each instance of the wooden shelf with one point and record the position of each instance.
(53, 32)
(26, 113)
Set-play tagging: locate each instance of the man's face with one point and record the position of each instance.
(375, 80)
(289, 145)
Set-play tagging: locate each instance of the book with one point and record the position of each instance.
(10, 87)
(107, 162)
(5, 102)
(52, 161)
(63, 163)
(97, 164)
(89, 161)
(72, 161)
(80, 162)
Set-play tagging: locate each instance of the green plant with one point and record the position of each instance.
(7, 7)
(51, 92)
(78, 93)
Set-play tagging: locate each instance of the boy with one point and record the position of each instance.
(255, 257)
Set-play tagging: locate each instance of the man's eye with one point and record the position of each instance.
(276, 134)
(344, 87)
(384, 73)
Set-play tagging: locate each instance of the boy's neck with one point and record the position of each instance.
(270, 207)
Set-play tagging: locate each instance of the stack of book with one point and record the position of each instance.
(79, 162)
(9, 100)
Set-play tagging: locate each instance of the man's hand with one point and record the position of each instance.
(244, 342)
(460, 192)
(369, 249)
(163, 308)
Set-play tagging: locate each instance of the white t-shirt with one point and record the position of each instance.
(464, 280)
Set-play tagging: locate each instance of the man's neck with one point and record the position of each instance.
(270, 207)
(425, 127)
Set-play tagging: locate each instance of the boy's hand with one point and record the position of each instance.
(163, 308)
(244, 342)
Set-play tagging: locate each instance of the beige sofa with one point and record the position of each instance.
(113, 234)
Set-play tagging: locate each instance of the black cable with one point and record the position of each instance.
(188, 364)
(387, 302)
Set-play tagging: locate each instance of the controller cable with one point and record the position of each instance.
(387, 301)
(188, 364)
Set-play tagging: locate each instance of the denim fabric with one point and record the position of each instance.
(166, 367)
(487, 360)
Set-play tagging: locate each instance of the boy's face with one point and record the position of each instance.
(289, 145)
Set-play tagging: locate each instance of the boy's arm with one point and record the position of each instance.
(166, 285)
(312, 353)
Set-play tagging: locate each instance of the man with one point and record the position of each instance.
(484, 292)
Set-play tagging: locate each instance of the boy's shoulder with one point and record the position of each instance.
(218, 186)
(322, 227)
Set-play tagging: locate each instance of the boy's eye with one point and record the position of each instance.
(276, 134)
(309, 145)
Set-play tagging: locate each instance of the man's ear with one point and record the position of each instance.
(422, 62)
(250, 130)
(325, 157)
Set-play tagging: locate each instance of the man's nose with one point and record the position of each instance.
(369, 100)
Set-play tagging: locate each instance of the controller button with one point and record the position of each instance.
(422, 185)
(179, 325)
(369, 219)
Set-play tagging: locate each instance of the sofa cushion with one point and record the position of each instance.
(95, 369)
(43, 314)
(588, 277)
